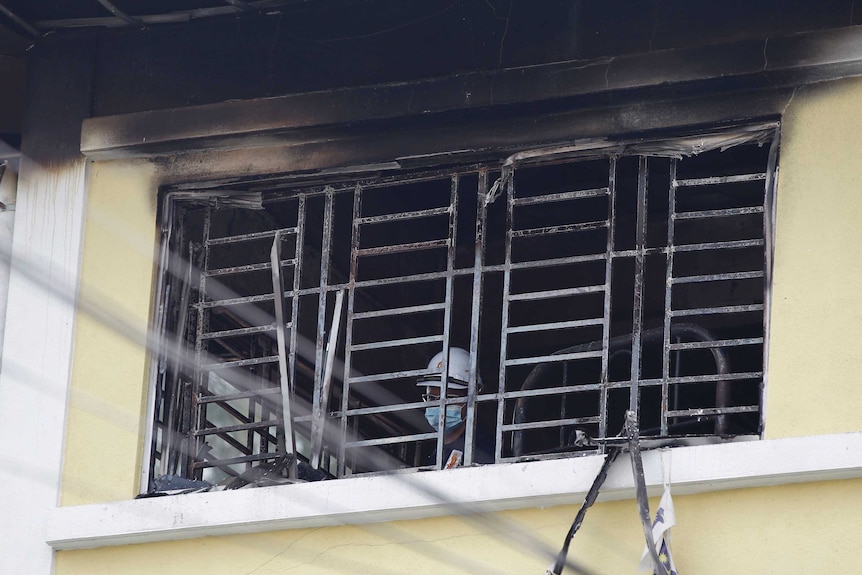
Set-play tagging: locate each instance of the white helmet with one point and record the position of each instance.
(459, 370)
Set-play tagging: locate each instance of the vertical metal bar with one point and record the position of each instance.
(297, 279)
(202, 327)
(606, 315)
(637, 309)
(563, 409)
(447, 313)
(507, 273)
(668, 284)
(286, 411)
(318, 424)
(321, 303)
(351, 295)
(769, 253)
(173, 371)
(476, 307)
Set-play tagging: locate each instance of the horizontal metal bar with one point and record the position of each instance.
(550, 423)
(537, 295)
(249, 237)
(716, 343)
(241, 395)
(235, 460)
(712, 411)
(390, 440)
(553, 262)
(714, 377)
(234, 301)
(389, 408)
(404, 216)
(555, 325)
(722, 213)
(407, 374)
(716, 310)
(241, 331)
(430, 276)
(239, 363)
(239, 427)
(732, 245)
(399, 310)
(397, 342)
(573, 452)
(246, 268)
(721, 180)
(554, 358)
(559, 197)
(718, 277)
(541, 391)
(400, 248)
(561, 229)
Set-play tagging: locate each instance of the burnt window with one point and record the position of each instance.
(584, 282)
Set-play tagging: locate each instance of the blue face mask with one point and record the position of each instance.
(453, 417)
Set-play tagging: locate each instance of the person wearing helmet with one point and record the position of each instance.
(454, 419)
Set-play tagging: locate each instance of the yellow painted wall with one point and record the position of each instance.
(105, 424)
(815, 352)
(814, 358)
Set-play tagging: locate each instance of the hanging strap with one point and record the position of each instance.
(633, 436)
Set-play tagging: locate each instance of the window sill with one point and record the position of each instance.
(379, 498)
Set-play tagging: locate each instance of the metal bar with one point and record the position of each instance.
(668, 299)
(718, 277)
(240, 427)
(555, 293)
(252, 236)
(119, 13)
(710, 411)
(201, 381)
(732, 245)
(547, 263)
(297, 281)
(391, 408)
(318, 423)
(717, 310)
(399, 311)
(239, 331)
(561, 229)
(550, 423)
(556, 358)
(396, 342)
(637, 306)
(722, 213)
(348, 359)
(504, 336)
(246, 268)
(234, 460)
(400, 248)
(240, 395)
(716, 343)
(558, 390)
(405, 215)
(20, 22)
(556, 325)
(239, 363)
(390, 440)
(721, 180)
(320, 350)
(289, 446)
(475, 311)
(606, 308)
(559, 197)
(716, 377)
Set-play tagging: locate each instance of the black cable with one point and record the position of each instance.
(590, 498)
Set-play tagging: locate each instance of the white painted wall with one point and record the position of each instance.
(35, 374)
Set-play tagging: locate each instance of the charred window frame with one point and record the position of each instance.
(585, 280)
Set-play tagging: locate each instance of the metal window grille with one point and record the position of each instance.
(584, 282)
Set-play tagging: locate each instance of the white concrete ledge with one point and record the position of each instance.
(479, 489)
